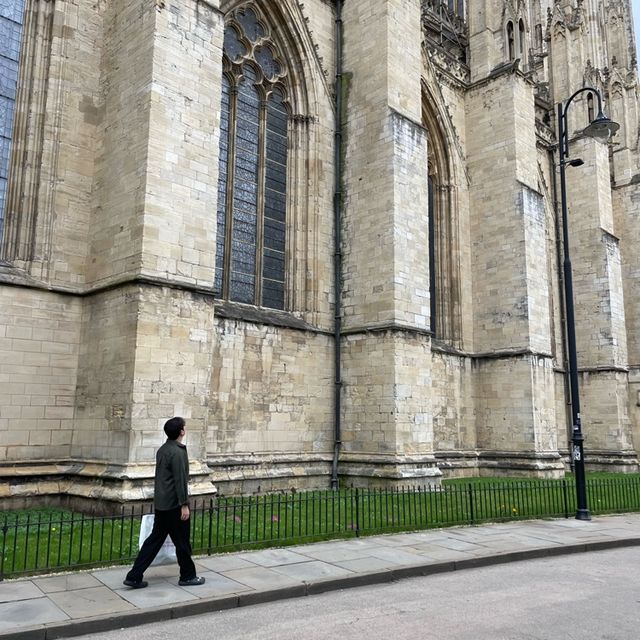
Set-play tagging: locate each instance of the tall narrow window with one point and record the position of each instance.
(11, 19)
(434, 293)
(252, 184)
(522, 44)
(444, 250)
(511, 45)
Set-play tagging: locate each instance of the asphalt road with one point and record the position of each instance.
(587, 596)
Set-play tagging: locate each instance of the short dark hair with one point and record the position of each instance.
(173, 427)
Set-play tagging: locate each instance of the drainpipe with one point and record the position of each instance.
(565, 357)
(337, 255)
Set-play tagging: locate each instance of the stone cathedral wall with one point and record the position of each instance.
(109, 319)
(40, 338)
(269, 409)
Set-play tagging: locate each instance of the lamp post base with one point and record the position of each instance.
(583, 514)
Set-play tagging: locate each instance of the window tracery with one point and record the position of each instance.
(252, 184)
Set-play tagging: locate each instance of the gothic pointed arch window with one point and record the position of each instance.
(515, 34)
(11, 22)
(444, 276)
(252, 183)
(522, 42)
(511, 44)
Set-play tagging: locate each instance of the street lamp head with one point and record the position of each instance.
(576, 162)
(601, 127)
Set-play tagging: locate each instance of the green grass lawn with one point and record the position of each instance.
(596, 475)
(38, 540)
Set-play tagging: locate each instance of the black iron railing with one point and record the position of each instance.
(37, 542)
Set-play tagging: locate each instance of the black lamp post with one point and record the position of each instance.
(601, 127)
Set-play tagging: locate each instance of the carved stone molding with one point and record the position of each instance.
(25, 179)
(446, 36)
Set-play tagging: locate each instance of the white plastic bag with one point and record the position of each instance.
(167, 553)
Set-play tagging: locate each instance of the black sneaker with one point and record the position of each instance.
(140, 584)
(192, 582)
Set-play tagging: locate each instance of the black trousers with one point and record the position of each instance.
(166, 523)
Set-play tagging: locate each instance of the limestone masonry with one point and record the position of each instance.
(327, 233)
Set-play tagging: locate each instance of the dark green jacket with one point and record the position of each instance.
(172, 476)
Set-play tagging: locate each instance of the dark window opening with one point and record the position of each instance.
(522, 41)
(510, 41)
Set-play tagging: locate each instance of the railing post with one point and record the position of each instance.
(357, 513)
(471, 511)
(210, 525)
(5, 529)
(565, 498)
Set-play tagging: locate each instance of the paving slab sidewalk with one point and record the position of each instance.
(71, 604)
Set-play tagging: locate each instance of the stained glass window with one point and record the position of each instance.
(274, 209)
(11, 18)
(232, 45)
(252, 29)
(269, 66)
(252, 182)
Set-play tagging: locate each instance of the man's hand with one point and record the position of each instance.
(184, 512)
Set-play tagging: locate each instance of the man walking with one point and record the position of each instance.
(171, 505)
